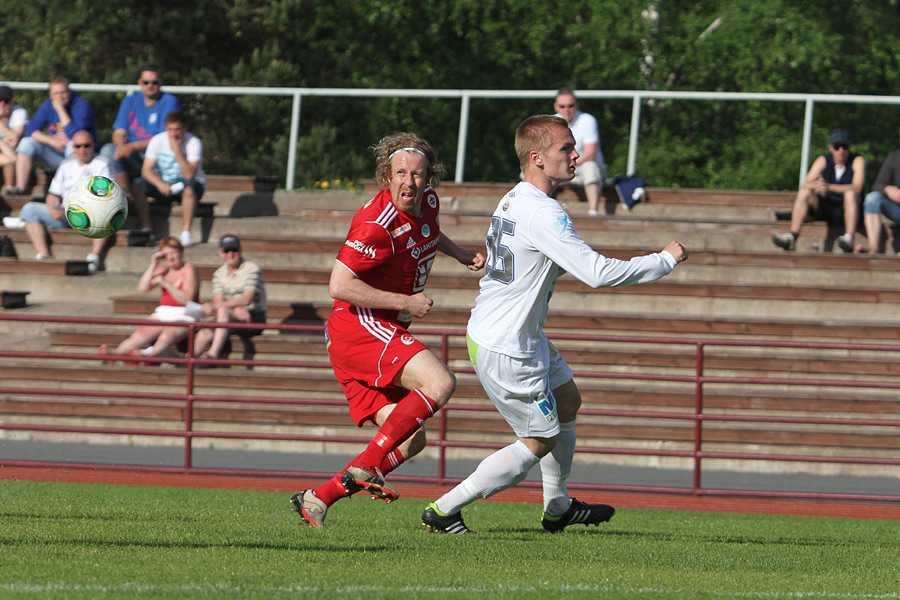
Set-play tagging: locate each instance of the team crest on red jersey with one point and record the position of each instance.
(407, 339)
(426, 230)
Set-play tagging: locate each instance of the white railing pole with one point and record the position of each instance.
(633, 137)
(807, 141)
(463, 139)
(292, 143)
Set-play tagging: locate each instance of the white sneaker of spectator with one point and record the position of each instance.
(13, 223)
(94, 263)
(186, 238)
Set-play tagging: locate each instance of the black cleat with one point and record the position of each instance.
(579, 512)
(438, 523)
(357, 479)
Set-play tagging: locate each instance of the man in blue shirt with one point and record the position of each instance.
(140, 117)
(48, 136)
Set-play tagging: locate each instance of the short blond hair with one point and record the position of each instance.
(535, 134)
(397, 141)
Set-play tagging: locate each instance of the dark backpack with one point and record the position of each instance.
(7, 248)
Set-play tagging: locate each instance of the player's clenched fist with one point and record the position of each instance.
(419, 305)
(677, 250)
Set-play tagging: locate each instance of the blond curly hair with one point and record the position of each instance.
(397, 141)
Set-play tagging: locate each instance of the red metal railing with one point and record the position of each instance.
(699, 451)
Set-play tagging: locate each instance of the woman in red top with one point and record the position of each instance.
(180, 290)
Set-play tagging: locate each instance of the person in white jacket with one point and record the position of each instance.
(531, 242)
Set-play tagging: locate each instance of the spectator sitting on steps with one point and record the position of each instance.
(884, 199)
(173, 170)
(179, 287)
(48, 136)
(13, 119)
(37, 217)
(239, 296)
(590, 169)
(831, 193)
(141, 116)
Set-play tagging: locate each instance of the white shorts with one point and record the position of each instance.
(522, 388)
(193, 311)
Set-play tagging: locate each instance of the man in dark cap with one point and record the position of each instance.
(239, 296)
(831, 193)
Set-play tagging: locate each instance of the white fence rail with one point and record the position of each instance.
(465, 96)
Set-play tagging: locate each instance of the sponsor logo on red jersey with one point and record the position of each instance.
(361, 248)
(401, 230)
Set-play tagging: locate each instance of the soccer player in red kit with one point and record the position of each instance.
(389, 377)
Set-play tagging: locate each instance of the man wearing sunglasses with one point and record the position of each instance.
(48, 137)
(37, 217)
(141, 116)
(831, 193)
(590, 169)
(239, 296)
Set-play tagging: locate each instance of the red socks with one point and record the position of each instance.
(409, 414)
(404, 420)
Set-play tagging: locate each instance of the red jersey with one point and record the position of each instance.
(391, 250)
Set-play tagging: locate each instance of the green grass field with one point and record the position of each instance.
(92, 541)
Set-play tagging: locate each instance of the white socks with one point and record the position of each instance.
(501, 470)
(555, 469)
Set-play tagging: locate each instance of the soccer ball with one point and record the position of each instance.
(96, 207)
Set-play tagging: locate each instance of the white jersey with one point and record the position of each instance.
(71, 171)
(531, 242)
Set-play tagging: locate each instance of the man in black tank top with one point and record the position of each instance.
(831, 193)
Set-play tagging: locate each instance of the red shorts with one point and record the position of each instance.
(366, 354)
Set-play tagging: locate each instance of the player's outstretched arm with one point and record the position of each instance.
(345, 285)
(473, 259)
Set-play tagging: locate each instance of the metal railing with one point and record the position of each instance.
(709, 427)
(637, 97)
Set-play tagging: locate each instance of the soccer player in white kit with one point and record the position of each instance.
(531, 242)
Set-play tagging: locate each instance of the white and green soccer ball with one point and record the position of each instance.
(96, 207)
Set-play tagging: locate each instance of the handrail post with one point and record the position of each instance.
(698, 420)
(292, 142)
(189, 402)
(442, 447)
(633, 137)
(807, 141)
(462, 141)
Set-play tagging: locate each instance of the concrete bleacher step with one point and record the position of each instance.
(32, 267)
(312, 248)
(679, 295)
(667, 325)
(597, 232)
